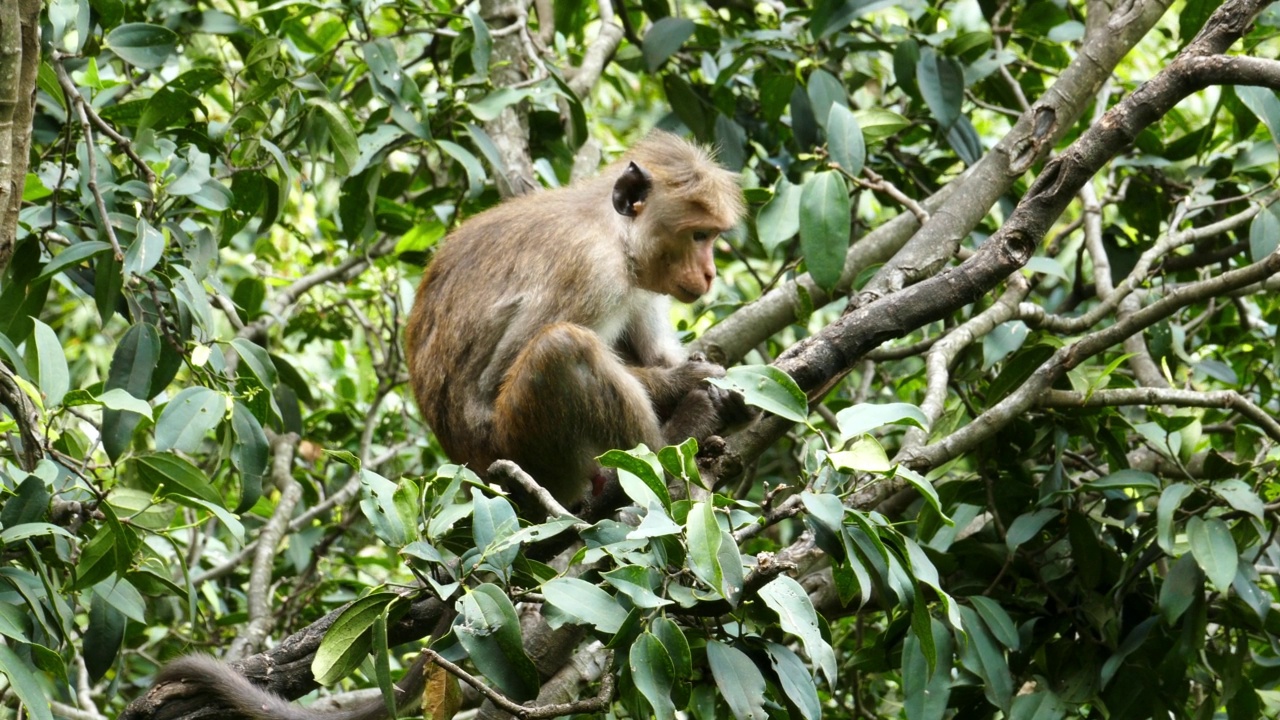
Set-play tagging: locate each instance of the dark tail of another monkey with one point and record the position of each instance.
(227, 687)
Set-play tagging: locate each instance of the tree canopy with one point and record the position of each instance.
(1006, 298)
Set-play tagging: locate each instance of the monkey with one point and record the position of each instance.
(539, 333)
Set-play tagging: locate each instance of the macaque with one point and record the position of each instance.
(540, 331)
(540, 335)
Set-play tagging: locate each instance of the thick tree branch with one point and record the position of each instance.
(24, 413)
(19, 66)
(820, 361)
(284, 670)
(1026, 396)
(967, 199)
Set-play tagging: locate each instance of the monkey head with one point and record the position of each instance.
(676, 201)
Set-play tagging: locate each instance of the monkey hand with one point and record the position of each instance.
(731, 409)
(704, 411)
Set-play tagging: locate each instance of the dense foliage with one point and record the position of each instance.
(1018, 357)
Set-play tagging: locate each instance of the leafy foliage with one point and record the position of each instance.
(1053, 501)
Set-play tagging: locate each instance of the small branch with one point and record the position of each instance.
(25, 415)
(79, 107)
(74, 713)
(1224, 399)
(1035, 315)
(598, 54)
(261, 617)
(597, 704)
(506, 470)
(877, 183)
(73, 93)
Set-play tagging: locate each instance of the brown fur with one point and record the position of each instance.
(539, 332)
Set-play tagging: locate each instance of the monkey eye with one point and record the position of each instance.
(702, 235)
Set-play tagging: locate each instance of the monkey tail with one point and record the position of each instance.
(227, 687)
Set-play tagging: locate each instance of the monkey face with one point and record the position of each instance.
(690, 264)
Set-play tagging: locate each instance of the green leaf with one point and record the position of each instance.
(489, 630)
(653, 673)
(642, 465)
(18, 533)
(767, 388)
(24, 684)
(637, 583)
(342, 135)
(492, 521)
(825, 91)
(51, 365)
(1127, 478)
(1170, 499)
(72, 256)
(123, 596)
(878, 123)
(1263, 103)
(864, 455)
(941, 85)
(392, 515)
(382, 663)
(997, 620)
(779, 219)
(475, 171)
(250, 454)
(1264, 234)
(103, 637)
(681, 462)
(258, 361)
(927, 686)
(824, 227)
(664, 38)
(587, 603)
(143, 44)
(862, 418)
(982, 657)
(730, 561)
(926, 489)
(1040, 705)
(832, 16)
(120, 400)
(786, 598)
(482, 47)
(704, 544)
(795, 680)
(346, 643)
(1240, 496)
(739, 680)
(170, 475)
(1181, 587)
(1132, 642)
(29, 503)
(144, 253)
(1003, 340)
(676, 645)
(1214, 549)
(1047, 266)
(845, 145)
(188, 417)
(1026, 527)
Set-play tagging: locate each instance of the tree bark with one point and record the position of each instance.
(19, 65)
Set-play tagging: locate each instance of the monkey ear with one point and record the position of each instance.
(631, 189)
